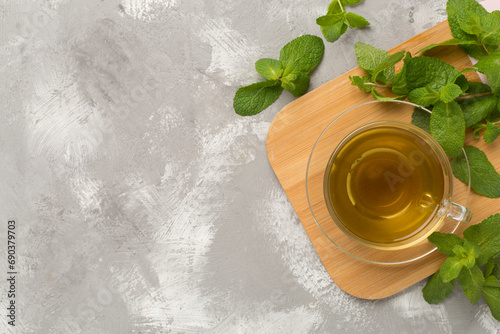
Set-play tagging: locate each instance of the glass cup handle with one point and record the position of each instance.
(459, 213)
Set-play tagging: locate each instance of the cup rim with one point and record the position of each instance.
(437, 217)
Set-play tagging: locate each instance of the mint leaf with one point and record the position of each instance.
(363, 83)
(424, 96)
(453, 41)
(296, 84)
(333, 32)
(387, 64)
(445, 242)
(455, 9)
(485, 180)
(491, 133)
(428, 71)
(379, 97)
(336, 21)
(303, 53)
(490, 66)
(252, 99)
(448, 127)
(471, 280)
(422, 119)
(269, 68)
(435, 291)
(355, 21)
(469, 22)
(330, 19)
(369, 57)
(487, 236)
(399, 86)
(467, 253)
(462, 82)
(450, 269)
(491, 294)
(488, 268)
(450, 92)
(496, 267)
(477, 109)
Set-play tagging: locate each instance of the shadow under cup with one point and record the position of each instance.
(388, 185)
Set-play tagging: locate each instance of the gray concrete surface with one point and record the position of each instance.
(142, 202)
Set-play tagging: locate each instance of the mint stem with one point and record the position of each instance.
(472, 95)
(341, 6)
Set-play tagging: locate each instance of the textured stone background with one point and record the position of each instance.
(143, 203)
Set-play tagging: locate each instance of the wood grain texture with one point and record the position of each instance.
(291, 137)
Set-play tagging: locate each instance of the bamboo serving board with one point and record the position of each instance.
(291, 137)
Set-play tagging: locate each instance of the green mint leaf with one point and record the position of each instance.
(424, 96)
(467, 253)
(303, 53)
(428, 71)
(485, 180)
(399, 86)
(454, 9)
(451, 268)
(379, 97)
(333, 23)
(491, 133)
(422, 119)
(488, 268)
(450, 92)
(471, 280)
(477, 109)
(445, 242)
(330, 19)
(453, 41)
(333, 32)
(490, 23)
(490, 66)
(462, 82)
(269, 68)
(363, 83)
(252, 99)
(487, 236)
(491, 295)
(355, 21)
(387, 64)
(448, 127)
(369, 57)
(496, 267)
(296, 84)
(469, 22)
(491, 37)
(435, 291)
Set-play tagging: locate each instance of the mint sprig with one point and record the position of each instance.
(336, 21)
(291, 72)
(473, 261)
(456, 103)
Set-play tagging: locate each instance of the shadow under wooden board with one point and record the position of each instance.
(291, 137)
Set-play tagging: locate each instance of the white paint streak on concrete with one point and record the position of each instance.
(184, 238)
(146, 10)
(233, 55)
(486, 320)
(61, 123)
(306, 267)
(300, 320)
(410, 305)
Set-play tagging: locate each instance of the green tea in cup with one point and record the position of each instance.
(388, 185)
